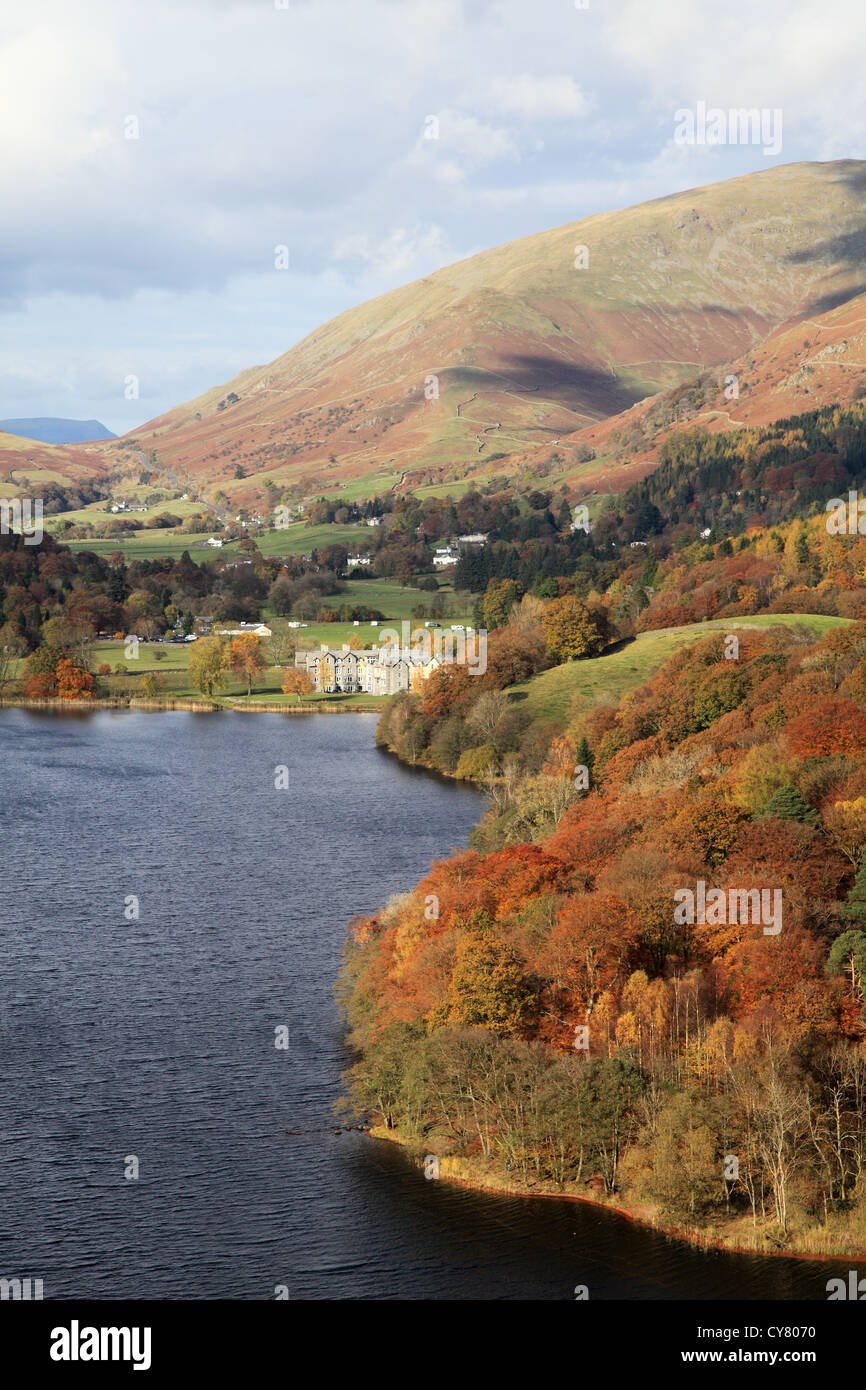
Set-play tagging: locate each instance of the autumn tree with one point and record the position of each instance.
(848, 959)
(153, 683)
(488, 987)
(40, 672)
(498, 601)
(296, 682)
(856, 904)
(448, 690)
(73, 683)
(12, 648)
(488, 710)
(207, 664)
(831, 726)
(845, 823)
(247, 659)
(571, 630)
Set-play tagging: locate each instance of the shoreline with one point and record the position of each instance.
(494, 1185)
(182, 702)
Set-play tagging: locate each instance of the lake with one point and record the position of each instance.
(150, 1039)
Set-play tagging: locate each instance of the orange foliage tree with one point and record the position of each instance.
(296, 682)
(247, 659)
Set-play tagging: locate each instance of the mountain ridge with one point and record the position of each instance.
(56, 429)
(484, 367)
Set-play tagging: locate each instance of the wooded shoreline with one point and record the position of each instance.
(491, 1183)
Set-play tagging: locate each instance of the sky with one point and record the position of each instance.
(189, 188)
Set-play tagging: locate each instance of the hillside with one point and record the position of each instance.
(575, 687)
(27, 464)
(817, 361)
(527, 349)
(652, 956)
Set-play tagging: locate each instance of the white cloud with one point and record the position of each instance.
(402, 255)
(304, 127)
(555, 97)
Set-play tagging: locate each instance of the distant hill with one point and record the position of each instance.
(29, 465)
(484, 368)
(50, 429)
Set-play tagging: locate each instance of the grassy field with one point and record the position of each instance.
(364, 488)
(397, 601)
(37, 476)
(299, 538)
(97, 512)
(454, 490)
(579, 685)
(149, 545)
(296, 539)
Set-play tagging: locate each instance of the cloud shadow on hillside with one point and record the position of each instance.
(566, 383)
(848, 249)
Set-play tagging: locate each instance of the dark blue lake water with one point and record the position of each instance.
(154, 1038)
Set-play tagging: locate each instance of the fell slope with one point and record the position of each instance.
(27, 465)
(820, 360)
(526, 348)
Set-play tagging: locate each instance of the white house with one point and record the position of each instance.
(246, 629)
(445, 555)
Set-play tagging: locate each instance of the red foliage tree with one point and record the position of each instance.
(831, 726)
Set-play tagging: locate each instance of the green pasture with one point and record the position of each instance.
(579, 685)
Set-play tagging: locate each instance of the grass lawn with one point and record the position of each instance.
(579, 685)
(454, 490)
(149, 545)
(173, 656)
(296, 539)
(396, 600)
(364, 488)
(37, 476)
(96, 512)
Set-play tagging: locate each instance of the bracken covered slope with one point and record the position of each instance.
(529, 348)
